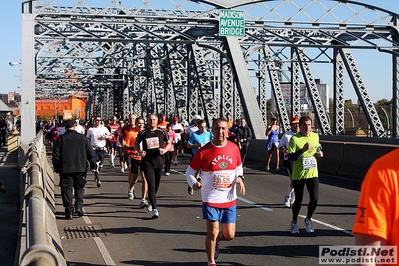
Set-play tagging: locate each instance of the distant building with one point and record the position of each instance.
(57, 107)
(305, 102)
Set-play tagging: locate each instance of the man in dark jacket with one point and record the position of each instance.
(71, 152)
(244, 135)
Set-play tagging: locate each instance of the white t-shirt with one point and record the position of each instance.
(96, 135)
(190, 130)
(285, 141)
(178, 127)
(80, 129)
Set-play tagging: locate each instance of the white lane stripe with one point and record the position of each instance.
(254, 204)
(103, 251)
(269, 210)
(86, 219)
(100, 245)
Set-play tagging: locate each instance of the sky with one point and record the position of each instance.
(375, 67)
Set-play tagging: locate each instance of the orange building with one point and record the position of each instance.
(55, 107)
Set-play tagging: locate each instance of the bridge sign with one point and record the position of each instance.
(231, 23)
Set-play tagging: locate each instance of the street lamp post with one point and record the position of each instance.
(28, 66)
(353, 120)
(386, 115)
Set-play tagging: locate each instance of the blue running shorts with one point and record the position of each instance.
(218, 214)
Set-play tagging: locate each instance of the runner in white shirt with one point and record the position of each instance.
(98, 136)
(221, 169)
(178, 129)
(283, 147)
(79, 128)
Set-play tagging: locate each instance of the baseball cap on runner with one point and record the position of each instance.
(294, 120)
(197, 117)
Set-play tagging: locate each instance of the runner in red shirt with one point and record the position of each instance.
(113, 127)
(221, 169)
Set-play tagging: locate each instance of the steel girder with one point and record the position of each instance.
(395, 98)
(176, 67)
(317, 104)
(262, 85)
(204, 75)
(362, 94)
(83, 38)
(339, 100)
(227, 86)
(250, 105)
(295, 85)
(395, 80)
(275, 79)
(195, 105)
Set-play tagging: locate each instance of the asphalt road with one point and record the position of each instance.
(117, 232)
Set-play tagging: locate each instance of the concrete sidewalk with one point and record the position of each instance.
(9, 206)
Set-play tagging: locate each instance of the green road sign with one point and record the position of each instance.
(231, 22)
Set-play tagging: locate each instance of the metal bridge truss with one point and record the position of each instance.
(166, 56)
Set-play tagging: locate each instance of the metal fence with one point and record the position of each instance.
(40, 242)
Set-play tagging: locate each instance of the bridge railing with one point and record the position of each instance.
(39, 238)
(344, 156)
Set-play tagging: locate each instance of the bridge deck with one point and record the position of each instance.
(128, 236)
(117, 232)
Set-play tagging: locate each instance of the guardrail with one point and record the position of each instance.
(345, 156)
(40, 243)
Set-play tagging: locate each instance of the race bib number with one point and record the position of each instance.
(152, 143)
(308, 163)
(222, 181)
(98, 137)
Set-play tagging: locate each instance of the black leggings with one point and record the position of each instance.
(153, 175)
(168, 160)
(312, 184)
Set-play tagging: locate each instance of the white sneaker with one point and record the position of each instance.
(149, 207)
(143, 204)
(167, 173)
(155, 214)
(287, 201)
(125, 166)
(294, 228)
(309, 225)
(122, 170)
(130, 196)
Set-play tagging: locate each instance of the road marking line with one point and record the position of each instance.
(254, 204)
(104, 252)
(270, 210)
(100, 245)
